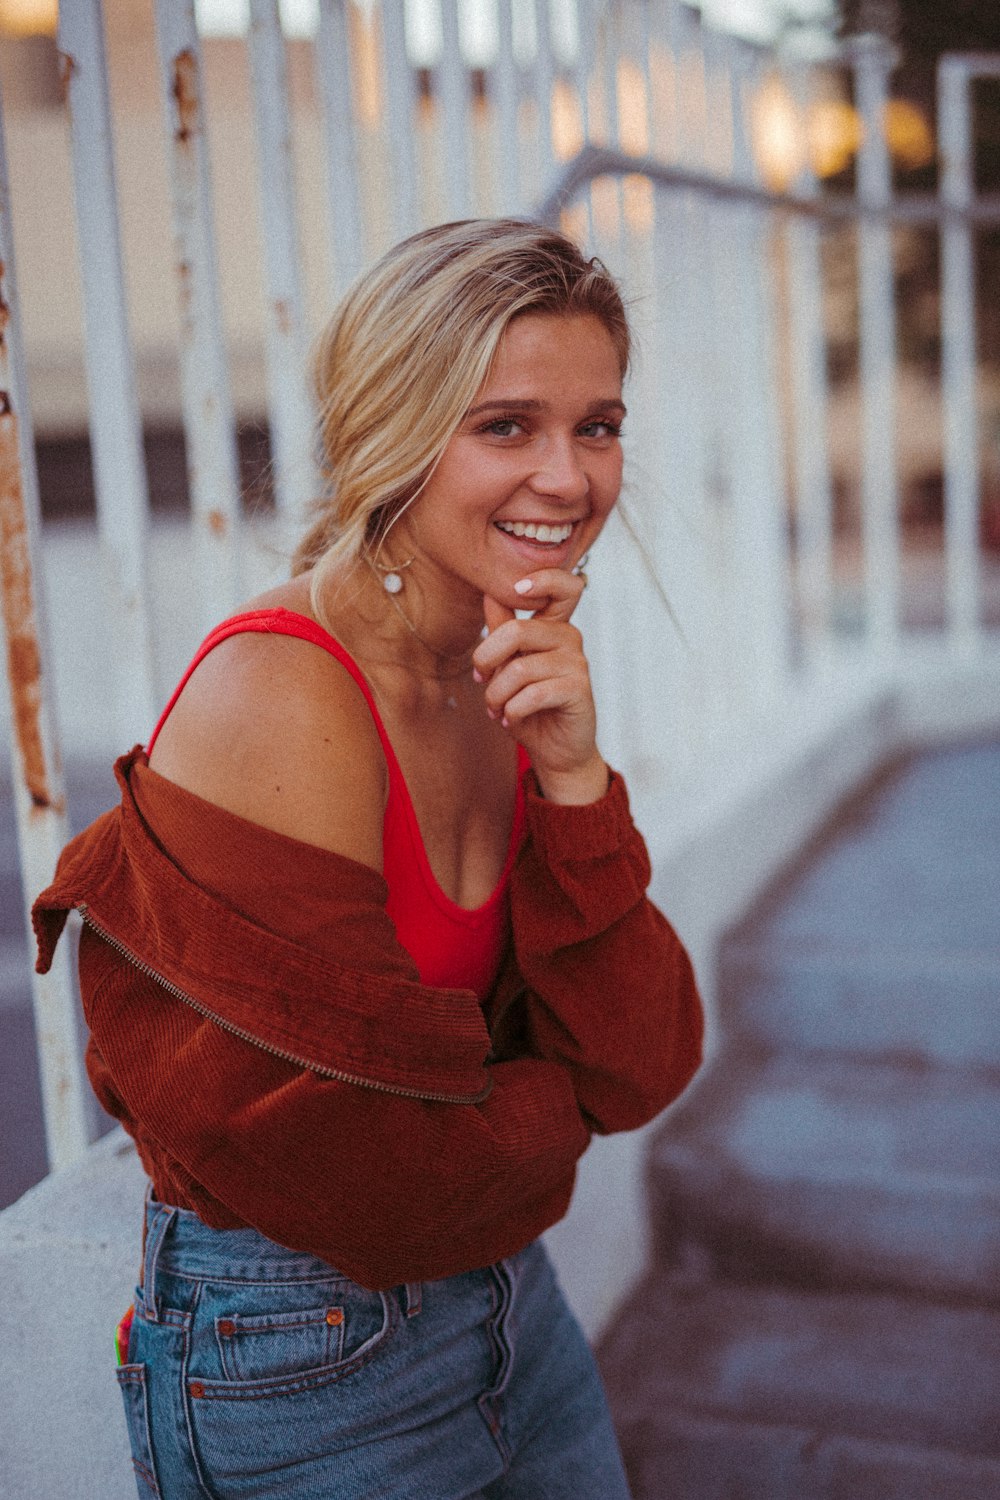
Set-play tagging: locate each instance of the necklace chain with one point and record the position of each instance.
(464, 659)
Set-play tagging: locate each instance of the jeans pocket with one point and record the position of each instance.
(252, 1338)
(132, 1384)
(255, 1346)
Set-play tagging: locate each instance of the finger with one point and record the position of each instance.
(552, 593)
(521, 638)
(545, 666)
(552, 694)
(495, 613)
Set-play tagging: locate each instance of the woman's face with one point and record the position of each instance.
(535, 468)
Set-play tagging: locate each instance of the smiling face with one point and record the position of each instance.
(535, 467)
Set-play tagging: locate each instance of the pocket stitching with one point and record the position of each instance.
(261, 1388)
(135, 1375)
(311, 1318)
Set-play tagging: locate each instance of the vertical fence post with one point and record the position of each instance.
(291, 417)
(879, 481)
(544, 80)
(39, 797)
(209, 429)
(746, 333)
(810, 445)
(401, 106)
(453, 115)
(683, 354)
(333, 77)
(505, 92)
(115, 426)
(958, 356)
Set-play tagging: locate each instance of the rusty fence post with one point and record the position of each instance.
(39, 795)
(292, 419)
(209, 423)
(115, 423)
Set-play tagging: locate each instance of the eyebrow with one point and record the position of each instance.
(610, 403)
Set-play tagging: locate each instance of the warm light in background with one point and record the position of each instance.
(567, 122)
(909, 134)
(633, 121)
(779, 141)
(836, 132)
(28, 17)
(828, 136)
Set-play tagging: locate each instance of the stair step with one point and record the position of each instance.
(884, 938)
(724, 1392)
(932, 1006)
(833, 1172)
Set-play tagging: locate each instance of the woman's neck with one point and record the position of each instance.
(429, 636)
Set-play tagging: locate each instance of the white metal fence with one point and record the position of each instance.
(641, 133)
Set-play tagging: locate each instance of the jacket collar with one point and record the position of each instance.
(387, 1032)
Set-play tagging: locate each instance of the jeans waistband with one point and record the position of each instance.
(177, 1242)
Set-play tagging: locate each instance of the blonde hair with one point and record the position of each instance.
(404, 354)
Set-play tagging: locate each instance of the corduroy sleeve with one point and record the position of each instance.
(610, 993)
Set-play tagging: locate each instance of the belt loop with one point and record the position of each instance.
(414, 1297)
(162, 1219)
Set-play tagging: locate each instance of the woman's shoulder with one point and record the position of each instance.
(275, 729)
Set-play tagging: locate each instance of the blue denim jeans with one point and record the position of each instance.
(255, 1372)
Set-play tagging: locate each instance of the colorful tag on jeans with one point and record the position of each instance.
(122, 1333)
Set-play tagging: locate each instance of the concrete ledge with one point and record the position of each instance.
(69, 1255)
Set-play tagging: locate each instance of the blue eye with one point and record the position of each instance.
(602, 429)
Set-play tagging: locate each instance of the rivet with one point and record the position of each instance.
(227, 1327)
(196, 1389)
(335, 1316)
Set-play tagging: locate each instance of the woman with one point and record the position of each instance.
(366, 954)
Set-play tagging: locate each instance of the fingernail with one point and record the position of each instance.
(523, 586)
(492, 712)
(477, 676)
(504, 724)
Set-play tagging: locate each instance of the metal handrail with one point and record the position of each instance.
(917, 209)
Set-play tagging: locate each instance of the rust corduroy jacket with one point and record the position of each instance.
(267, 1041)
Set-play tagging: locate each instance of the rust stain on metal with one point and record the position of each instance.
(187, 298)
(67, 67)
(216, 523)
(23, 659)
(185, 93)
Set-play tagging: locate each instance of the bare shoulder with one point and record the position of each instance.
(275, 729)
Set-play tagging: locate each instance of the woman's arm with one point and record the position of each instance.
(609, 992)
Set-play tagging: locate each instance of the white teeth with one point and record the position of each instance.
(539, 532)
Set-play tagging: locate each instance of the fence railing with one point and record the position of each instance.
(642, 134)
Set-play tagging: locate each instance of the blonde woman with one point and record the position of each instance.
(367, 955)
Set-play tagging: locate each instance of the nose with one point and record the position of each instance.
(560, 473)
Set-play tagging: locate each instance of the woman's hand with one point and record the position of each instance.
(538, 683)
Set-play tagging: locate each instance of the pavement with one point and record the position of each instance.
(822, 1317)
(90, 790)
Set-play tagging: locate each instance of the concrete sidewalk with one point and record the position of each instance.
(823, 1316)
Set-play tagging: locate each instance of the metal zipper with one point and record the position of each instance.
(248, 1036)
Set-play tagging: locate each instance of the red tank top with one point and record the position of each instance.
(453, 947)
